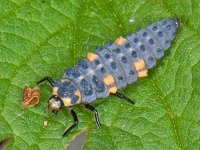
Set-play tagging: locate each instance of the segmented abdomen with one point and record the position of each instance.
(122, 62)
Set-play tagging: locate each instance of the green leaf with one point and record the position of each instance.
(44, 37)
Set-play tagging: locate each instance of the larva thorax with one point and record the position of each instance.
(116, 65)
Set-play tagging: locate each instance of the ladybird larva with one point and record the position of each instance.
(111, 68)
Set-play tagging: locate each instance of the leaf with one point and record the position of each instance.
(41, 37)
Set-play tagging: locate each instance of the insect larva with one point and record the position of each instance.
(111, 68)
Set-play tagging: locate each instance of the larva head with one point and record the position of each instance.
(67, 92)
(55, 104)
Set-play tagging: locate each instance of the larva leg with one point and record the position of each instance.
(48, 79)
(90, 107)
(74, 115)
(123, 97)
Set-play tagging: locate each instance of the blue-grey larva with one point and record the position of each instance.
(111, 68)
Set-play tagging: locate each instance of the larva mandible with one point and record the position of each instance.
(111, 67)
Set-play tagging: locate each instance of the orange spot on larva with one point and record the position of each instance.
(64, 80)
(113, 89)
(78, 93)
(139, 65)
(67, 101)
(143, 73)
(55, 91)
(92, 56)
(109, 79)
(120, 40)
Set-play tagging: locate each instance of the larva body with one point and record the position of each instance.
(111, 68)
(116, 65)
